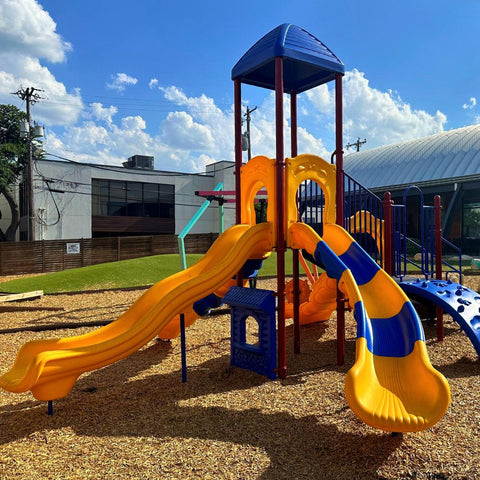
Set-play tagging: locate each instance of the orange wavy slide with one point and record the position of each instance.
(49, 368)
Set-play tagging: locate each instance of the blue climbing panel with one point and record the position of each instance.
(461, 303)
(259, 304)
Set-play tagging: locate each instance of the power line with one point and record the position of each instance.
(356, 144)
(137, 172)
(247, 133)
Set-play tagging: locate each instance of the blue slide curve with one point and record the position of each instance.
(392, 384)
(461, 303)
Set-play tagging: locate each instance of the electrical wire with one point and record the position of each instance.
(150, 173)
(78, 184)
(47, 181)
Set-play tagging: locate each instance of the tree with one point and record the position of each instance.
(13, 159)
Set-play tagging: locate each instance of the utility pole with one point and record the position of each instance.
(31, 97)
(356, 144)
(247, 116)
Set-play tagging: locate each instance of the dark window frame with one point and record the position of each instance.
(155, 200)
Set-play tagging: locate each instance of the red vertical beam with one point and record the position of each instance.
(295, 259)
(238, 147)
(238, 158)
(339, 205)
(437, 233)
(280, 194)
(339, 147)
(388, 233)
(293, 125)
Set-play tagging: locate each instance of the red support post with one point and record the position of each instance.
(339, 209)
(388, 233)
(437, 220)
(238, 158)
(280, 194)
(238, 147)
(339, 148)
(293, 125)
(295, 253)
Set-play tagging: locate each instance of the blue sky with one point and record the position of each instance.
(153, 77)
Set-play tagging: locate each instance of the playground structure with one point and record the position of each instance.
(392, 384)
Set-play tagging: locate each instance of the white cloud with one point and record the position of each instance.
(199, 132)
(120, 81)
(381, 117)
(322, 99)
(99, 112)
(471, 104)
(27, 35)
(186, 140)
(180, 131)
(202, 107)
(27, 29)
(196, 131)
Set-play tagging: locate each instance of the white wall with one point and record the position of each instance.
(66, 212)
(74, 203)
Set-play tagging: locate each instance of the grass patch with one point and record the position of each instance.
(123, 274)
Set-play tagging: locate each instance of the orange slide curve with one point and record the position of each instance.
(49, 368)
(320, 303)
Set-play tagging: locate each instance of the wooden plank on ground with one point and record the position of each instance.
(15, 297)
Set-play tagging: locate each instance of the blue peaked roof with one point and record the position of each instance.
(307, 61)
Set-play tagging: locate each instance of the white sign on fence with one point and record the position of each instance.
(73, 248)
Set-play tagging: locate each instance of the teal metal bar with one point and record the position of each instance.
(193, 221)
(183, 261)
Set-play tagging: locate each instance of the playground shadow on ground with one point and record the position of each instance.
(297, 447)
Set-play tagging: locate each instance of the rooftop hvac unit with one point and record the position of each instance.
(139, 161)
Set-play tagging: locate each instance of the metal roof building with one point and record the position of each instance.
(447, 156)
(445, 164)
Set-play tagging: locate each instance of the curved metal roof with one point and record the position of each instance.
(443, 156)
(307, 61)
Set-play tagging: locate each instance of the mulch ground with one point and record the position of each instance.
(136, 419)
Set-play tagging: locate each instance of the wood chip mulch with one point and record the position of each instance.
(136, 419)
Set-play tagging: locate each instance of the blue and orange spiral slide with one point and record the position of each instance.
(392, 385)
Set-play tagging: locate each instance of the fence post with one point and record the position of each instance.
(82, 254)
(388, 233)
(43, 255)
(437, 231)
(118, 248)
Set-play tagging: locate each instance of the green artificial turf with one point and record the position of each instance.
(122, 274)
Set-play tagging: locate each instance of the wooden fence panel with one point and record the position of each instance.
(55, 255)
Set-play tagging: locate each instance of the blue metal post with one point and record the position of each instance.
(183, 344)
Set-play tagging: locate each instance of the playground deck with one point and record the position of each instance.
(136, 419)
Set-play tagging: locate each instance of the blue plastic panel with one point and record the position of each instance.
(461, 303)
(251, 298)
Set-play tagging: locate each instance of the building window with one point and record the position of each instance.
(471, 220)
(114, 198)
